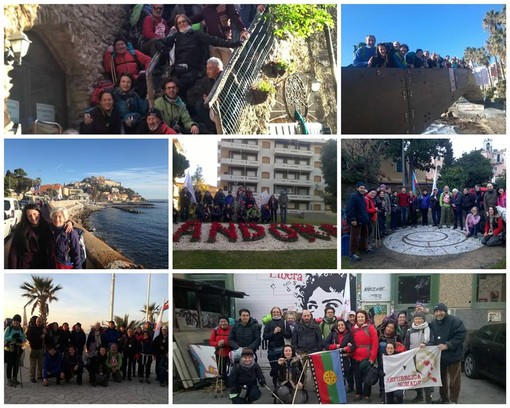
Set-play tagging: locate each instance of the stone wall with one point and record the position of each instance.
(77, 35)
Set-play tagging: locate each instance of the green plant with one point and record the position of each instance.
(300, 20)
(264, 86)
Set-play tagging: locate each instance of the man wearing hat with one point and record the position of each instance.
(419, 307)
(155, 123)
(243, 379)
(13, 340)
(448, 333)
(357, 218)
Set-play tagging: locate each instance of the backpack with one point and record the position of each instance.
(81, 240)
(138, 14)
(104, 84)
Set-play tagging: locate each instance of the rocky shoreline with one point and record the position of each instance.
(83, 216)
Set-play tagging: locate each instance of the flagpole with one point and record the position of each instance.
(148, 296)
(112, 296)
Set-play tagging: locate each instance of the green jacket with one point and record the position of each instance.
(109, 360)
(174, 112)
(442, 200)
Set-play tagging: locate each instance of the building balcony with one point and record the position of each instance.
(297, 167)
(240, 146)
(293, 182)
(292, 152)
(300, 197)
(240, 162)
(231, 177)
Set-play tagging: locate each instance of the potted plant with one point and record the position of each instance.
(280, 67)
(260, 91)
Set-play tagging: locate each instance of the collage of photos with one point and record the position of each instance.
(288, 122)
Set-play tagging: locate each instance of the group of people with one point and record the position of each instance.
(397, 55)
(290, 338)
(37, 244)
(193, 45)
(227, 208)
(108, 354)
(376, 212)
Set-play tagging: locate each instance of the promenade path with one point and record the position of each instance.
(126, 392)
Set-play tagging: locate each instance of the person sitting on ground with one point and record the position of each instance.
(66, 245)
(472, 223)
(154, 31)
(382, 59)
(243, 379)
(128, 105)
(289, 378)
(363, 54)
(52, 365)
(253, 213)
(121, 57)
(399, 60)
(114, 363)
(174, 109)
(188, 59)
(154, 124)
(102, 119)
(214, 68)
(218, 19)
(493, 228)
(397, 396)
(97, 367)
(72, 365)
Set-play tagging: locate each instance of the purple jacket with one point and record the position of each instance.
(67, 247)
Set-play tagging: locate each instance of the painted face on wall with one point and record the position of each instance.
(320, 299)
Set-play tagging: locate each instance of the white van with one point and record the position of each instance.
(12, 215)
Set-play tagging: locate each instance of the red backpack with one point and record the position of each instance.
(104, 84)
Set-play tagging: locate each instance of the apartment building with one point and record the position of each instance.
(274, 165)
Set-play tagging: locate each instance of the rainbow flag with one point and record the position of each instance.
(328, 376)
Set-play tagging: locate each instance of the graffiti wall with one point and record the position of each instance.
(296, 292)
(188, 319)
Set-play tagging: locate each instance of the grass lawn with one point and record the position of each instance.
(292, 259)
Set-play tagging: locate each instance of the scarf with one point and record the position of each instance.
(247, 366)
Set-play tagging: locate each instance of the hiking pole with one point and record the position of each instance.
(274, 395)
(300, 377)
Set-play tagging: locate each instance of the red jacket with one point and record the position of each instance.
(366, 344)
(403, 199)
(164, 129)
(125, 63)
(371, 208)
(218, 334)
(152, 30)
(497, 226)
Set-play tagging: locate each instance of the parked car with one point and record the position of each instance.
(485, 353)
(12, 215)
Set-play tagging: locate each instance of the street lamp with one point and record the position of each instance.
(19, 45)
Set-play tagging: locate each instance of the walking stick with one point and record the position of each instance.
(301, 376)
(18, 362)
(274, 395)
(377, 235)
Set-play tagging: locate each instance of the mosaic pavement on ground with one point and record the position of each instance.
(431, 241)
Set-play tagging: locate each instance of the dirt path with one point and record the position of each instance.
(383, 258)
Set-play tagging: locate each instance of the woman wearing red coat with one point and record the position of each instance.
(219, 340)
(365, 354)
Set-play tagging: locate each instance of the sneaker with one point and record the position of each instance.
(10, 383)
(367, 399)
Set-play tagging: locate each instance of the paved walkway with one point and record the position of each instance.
(431, 241)
(126, 392)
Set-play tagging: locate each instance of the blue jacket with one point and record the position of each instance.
(130, 104)
(356, 209)
(111, 336)
(362, 55)
(424, 202)
(67, 247)
(52, 364)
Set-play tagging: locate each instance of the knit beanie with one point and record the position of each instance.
(441, 306)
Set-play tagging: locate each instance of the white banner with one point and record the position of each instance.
(416, 368)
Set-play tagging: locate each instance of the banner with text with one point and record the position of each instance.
(416, 368)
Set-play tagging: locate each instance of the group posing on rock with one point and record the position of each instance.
(290, 337)
(227, 208)
(186, 48)
(371, 214)
(107, 354)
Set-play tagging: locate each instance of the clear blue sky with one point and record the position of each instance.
(141, 165)
(85, 297)
(444, 29)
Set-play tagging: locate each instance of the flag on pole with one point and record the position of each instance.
(328, 377)
(434, 183)
(159, 323)
(188, 183)
(347, 298)
(25, 322)
(415, 182)
(416, 368)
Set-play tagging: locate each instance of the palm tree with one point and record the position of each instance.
(41, 293)
(124, 321)
(495, 23)
(153, 309)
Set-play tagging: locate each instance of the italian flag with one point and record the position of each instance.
(328, 377)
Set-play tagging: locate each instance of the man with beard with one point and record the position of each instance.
(155, 124)
(490, 198)
(35, 336)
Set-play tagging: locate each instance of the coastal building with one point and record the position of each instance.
(273, 165)
(52, 190)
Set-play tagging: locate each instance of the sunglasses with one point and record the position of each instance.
(157, 8)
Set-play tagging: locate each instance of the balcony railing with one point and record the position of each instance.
(299, 167)
(240, 162)
(240, 146)
(293, 152)
(231, 177)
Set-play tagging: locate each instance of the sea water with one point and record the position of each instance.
(143, 238)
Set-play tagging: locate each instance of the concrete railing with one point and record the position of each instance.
(99, 254)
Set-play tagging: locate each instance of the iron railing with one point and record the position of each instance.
(228, 98)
